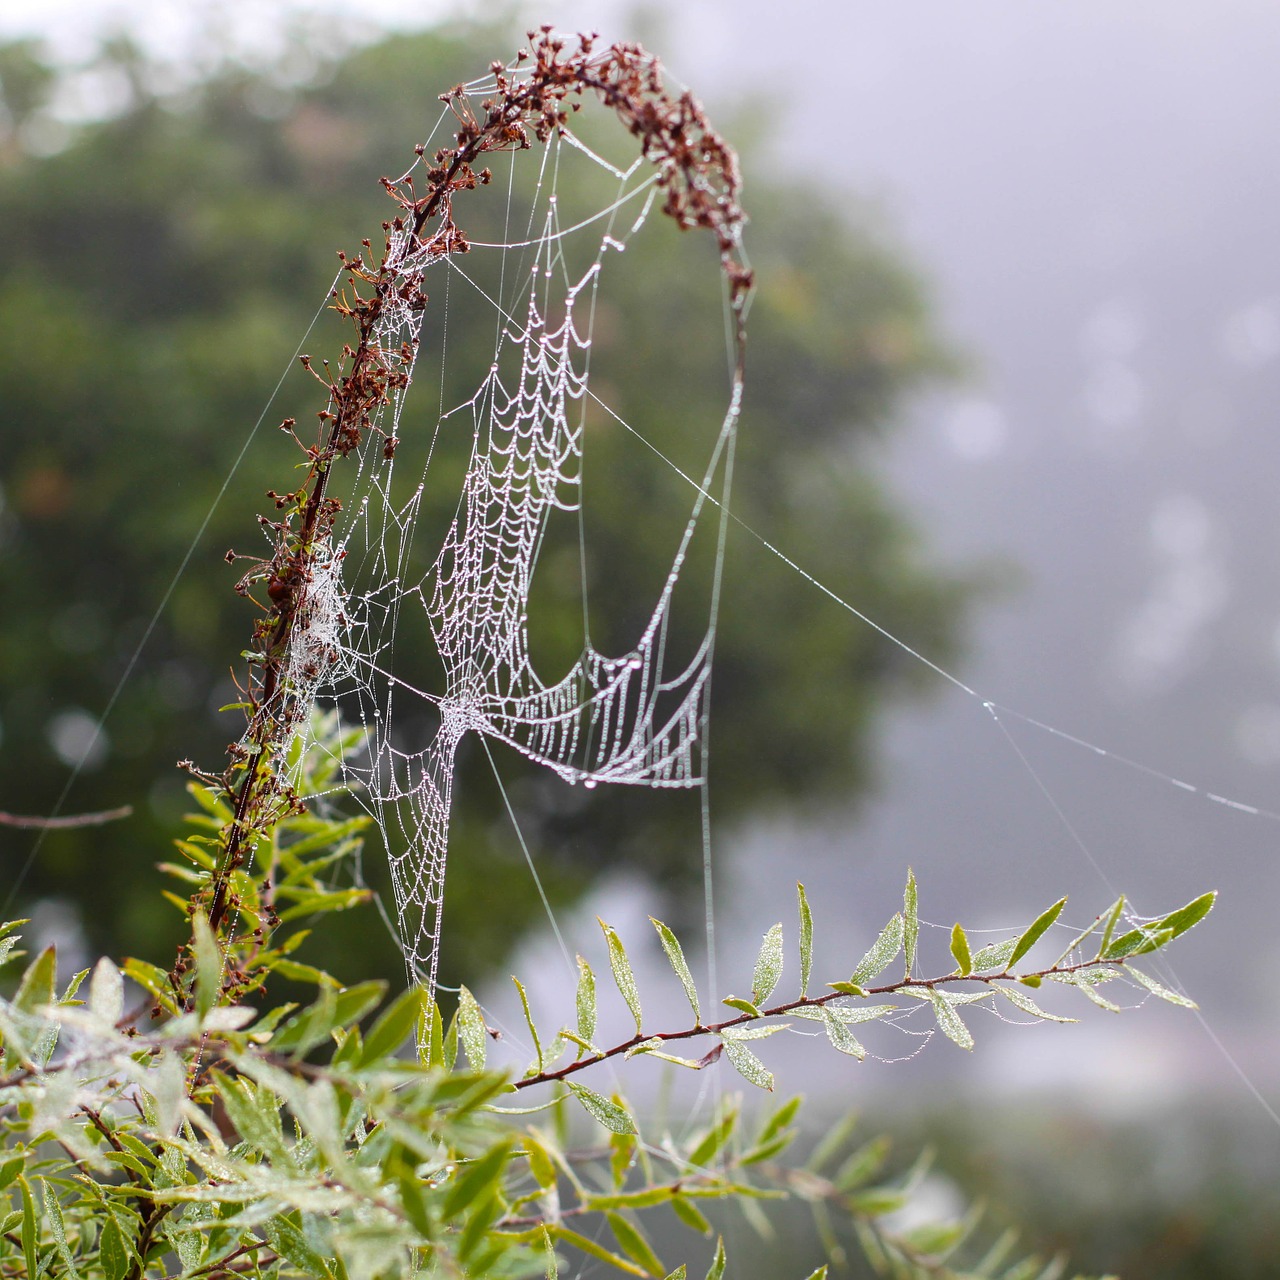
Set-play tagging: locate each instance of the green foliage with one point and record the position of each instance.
(230, 1133)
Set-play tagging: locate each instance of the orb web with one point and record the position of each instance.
(637, 717)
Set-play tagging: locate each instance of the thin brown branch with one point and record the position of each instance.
(804, 1002)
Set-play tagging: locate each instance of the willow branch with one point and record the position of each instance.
(807, 1002)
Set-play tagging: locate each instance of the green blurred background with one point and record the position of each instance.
(167, 249)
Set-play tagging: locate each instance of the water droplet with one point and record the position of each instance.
(589, 783)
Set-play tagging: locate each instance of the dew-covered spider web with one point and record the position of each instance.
(397, 575)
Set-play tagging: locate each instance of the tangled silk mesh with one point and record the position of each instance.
(636, 718)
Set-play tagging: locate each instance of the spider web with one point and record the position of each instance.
(637, 717)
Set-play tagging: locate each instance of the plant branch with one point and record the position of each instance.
(805, 1002)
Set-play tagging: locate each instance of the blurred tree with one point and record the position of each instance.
(159, 271)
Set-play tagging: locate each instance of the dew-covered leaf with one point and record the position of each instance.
(882, 954)
(622, 974)
(38, 987)
(949, 1020)
(748, 1066)
(608, 1113)
(675, 954)
(472, 1030)
(585, 1001)
(768, 966)
(840, 1036)
(1019, 999)
(1159, 989)
(910, 921)
(285, 1236)
(539, 1063)
(994, 955)
(1157, 933)
(114, 1255)
(716, 1271)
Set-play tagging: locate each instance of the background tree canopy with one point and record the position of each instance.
(161, 267)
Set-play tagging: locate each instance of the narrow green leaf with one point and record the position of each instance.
(10, 1170)
(609, 1114)
(846, 1013)
(594, 1250)
(829, 1147)
(949, 1020)
(475, 1180)
(881, 955)
(680, 1273)
(394, 1026)
(743, 1006)
(622, 974)
(748, 1066)
(780, 1119)
(910, 921)
(820, 1274)
(415, 1201)
(208, 958)
(114, 1256)
(539, 1061)
(840, 1036)
(432, 1022)
(675, 954)
(30, 1231)
(1158, 989)
(1110, 915)
(549, 1248)
(255, 1115)
(285, 1236)
(960, 950)
(768, 966)
(1153, 936)
(586, 1001)
(541, 1164)
(714, 1139)
(58, 1229)
(1019, 999)
(1097, 997)
(472, 1029)
(863, 1164)
(1178, 922)
(38, 988)
(690, 1215)
(633, 1243)
(718, 1262)
(848, 989)
(806, 940)
(1035, 930)
(994, 955)
(1113, 919)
